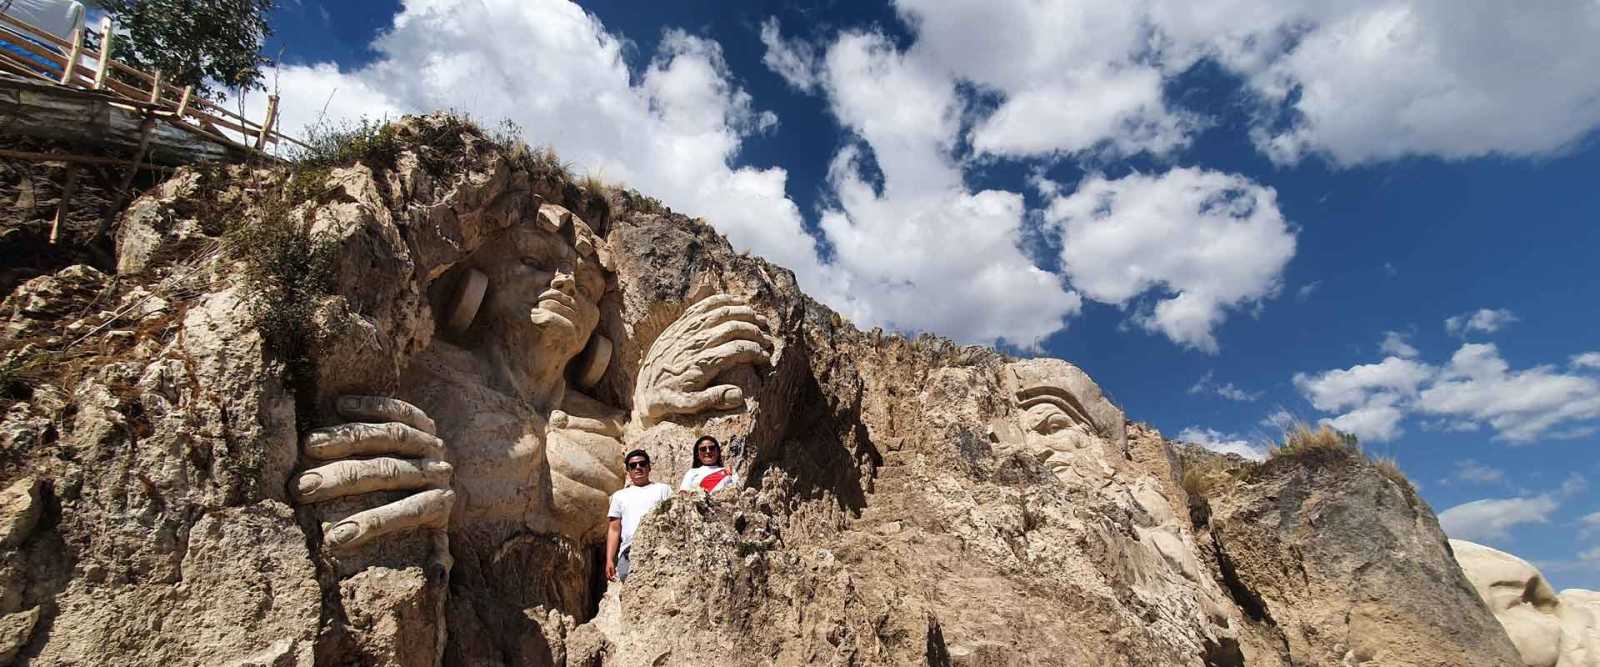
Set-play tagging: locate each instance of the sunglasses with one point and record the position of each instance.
(709, 448)
(637, 465)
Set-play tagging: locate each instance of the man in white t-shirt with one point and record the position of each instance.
(629, 507)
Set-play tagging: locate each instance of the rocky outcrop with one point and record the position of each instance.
(370, 413)
(1334, 561)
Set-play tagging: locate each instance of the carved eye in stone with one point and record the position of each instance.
(1047, 419)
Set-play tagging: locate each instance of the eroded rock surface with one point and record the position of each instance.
(380, 427)
(1337, 563)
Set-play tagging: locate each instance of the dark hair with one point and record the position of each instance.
(637, 452)
(694, 454)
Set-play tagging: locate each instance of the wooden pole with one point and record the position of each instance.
(183, 102)
(105, 53)
(266, 127)
(66, 196)
(72, 58)
(155, 90)
(127, 179)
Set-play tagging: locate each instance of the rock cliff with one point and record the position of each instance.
(368, 412)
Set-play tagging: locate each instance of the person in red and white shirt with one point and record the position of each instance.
(707, 473)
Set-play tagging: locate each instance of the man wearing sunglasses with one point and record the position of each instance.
(629, 507)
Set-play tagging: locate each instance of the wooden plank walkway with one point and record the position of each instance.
(90, 84)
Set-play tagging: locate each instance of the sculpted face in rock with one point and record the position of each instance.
(1521, 599)
(542, 302)
(1062, 416)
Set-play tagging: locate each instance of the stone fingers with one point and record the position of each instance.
(351, 477)
(380, 409)
(711, 303)
(737, 330)
(739, 313)
(429, 509)
(670, 402)
(713, 361)
(394, 438)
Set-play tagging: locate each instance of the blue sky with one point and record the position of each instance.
(1382, 214)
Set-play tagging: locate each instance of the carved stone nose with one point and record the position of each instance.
(563, 281)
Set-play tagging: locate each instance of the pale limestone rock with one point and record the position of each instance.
(19, 511)
(15, 631)
(1548, 630)
(1580, 622)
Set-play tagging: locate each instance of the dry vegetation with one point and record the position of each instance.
(1203, 477)
(1302, 440)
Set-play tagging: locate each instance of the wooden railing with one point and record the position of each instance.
(133, 88)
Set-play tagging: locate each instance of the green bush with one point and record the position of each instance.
(374, 142)
(288, 269)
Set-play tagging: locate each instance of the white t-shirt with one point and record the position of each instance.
(691, 479)
(632, 503)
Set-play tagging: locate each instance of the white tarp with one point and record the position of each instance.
(58, 17)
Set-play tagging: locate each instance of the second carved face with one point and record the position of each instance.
(545, 287)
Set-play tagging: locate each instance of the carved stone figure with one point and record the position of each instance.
(1063, 418)
(1548, 630)
(492, 430)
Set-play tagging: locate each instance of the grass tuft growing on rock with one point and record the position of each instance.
(1302, 440)
(1201, 479)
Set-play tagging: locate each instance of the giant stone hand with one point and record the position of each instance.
(715, 335)
(390, 446)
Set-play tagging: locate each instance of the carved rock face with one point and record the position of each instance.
(545, 286)
(1524, 603)
(1062, 417)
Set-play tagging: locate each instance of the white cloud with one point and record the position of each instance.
(1070, 75)
(922, 252)
(1486, 320)
(1337, 389)
(1395, 343)
(1574, 485)
(1589, 525)
(794, 60)
(1307, 290)
(1358, 81)
(1491, 519)
(1586, 360)
(1217, 441)
(1476, 388)
(1375, 420)
(1206, 385)
(1477, 473)
(1383, 79)
(1478, 385)
(1202, 243)
(1280, 419)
